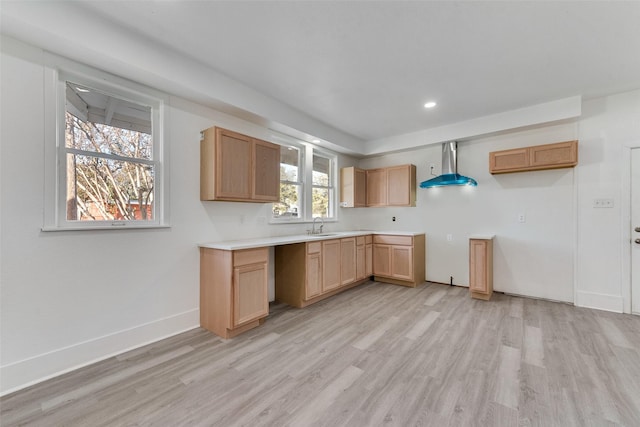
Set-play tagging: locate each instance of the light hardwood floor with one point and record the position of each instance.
(375, 355)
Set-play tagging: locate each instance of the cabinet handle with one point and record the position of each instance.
(638, 241)
(637, 229)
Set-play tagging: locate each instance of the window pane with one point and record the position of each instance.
(101, 189)
(321, 200)
(289, 205)
(321, 171)
(103, 123)
(289, 164)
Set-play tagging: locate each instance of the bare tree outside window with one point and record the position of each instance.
(110, 169)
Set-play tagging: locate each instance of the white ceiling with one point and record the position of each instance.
(366, 68)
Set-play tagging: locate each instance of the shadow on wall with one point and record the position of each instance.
(531, 179)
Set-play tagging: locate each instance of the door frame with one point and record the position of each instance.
(626, 225)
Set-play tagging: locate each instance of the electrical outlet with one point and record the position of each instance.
(449, 237)
(602, 203)
(522, 218)
(393, 219)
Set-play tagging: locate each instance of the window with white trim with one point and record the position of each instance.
(322, 182)
(307, 183)
(109, 162)
(291, 205)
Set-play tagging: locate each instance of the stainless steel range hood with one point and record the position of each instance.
(449, 174)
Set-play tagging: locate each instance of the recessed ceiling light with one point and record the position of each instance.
(315, 141)
(430, 104)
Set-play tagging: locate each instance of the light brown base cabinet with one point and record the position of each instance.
(312, 271)
(481, 268)
(233, 290)
(399, 259)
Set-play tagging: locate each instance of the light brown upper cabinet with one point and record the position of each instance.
(391, 186)
(401, 185)
(236, 167)
(538, 157)
(353, 187)
(377, 187)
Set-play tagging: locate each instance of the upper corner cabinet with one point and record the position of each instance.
(353, 187)
(238, 168)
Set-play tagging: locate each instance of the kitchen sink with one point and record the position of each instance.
(323, 235)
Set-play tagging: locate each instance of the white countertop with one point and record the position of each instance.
(232, 245)
(482, 236)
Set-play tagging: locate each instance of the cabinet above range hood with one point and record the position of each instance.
(450, 175)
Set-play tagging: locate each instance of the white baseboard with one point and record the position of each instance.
(605, 302)
(23, 373)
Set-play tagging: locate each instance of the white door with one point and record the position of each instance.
(635, 230)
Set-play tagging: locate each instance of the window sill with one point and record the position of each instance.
(104, 227)
(298, 221)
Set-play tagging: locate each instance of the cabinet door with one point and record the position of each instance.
(250, 299)
(376, 187)
(233, 165)
(360, 196)
(382, 260)
(361, 261)
(401, 185)
(266, 171)
(313, 284)
(353, 187)
(508, 160)
(330, 263)
(549, 156)
(348, 260)
(478, 266)
(402, 262)
(368, 263)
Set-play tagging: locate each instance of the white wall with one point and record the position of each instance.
(70, 298)
(567, 250)
(534, 258)
(609, 127)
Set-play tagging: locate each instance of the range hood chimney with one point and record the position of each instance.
(450, 174)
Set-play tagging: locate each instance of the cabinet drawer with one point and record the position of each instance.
(360, 240)
(393, 240)
(314, 248)
(250, 256)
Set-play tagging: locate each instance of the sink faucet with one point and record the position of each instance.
(313, 228)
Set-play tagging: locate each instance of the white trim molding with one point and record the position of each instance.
(23, 373)
(614, 303)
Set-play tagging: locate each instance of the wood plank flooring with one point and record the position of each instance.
(375, 355)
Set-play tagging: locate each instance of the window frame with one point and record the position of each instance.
(302, 209)
(306, 175)
(331, 184)
(58, 72)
